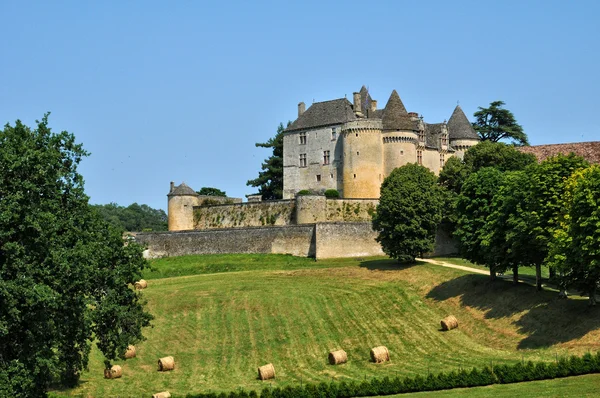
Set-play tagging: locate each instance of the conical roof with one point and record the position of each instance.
(459, 126)
(395, 116)
(365, 100)
(182, 190)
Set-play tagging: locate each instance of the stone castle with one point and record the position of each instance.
(352, 147)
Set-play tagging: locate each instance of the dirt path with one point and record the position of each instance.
(445, 264)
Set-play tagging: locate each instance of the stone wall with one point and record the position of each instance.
(297, 240)
(250, 214)
(351, 209)
(346, 239)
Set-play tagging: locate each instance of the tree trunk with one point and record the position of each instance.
(593, 297)
(515, 271)
(492, 273)
(538, 276)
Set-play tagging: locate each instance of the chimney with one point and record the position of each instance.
(301, 108)
(357, 105)
(172, 186)
(373, 105)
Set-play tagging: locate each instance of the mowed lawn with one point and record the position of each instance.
(220, 326)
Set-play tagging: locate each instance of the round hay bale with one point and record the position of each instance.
(338, 357)
(141, 284)
(166, 363)
(130, 353)
(266, 372)
(113, 373)
(450, 322)
(164, 394)
(380, 354)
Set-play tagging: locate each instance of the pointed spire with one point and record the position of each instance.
(459, 126)
(395, 116)
(365, 100)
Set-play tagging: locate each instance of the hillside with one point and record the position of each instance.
(292, 311)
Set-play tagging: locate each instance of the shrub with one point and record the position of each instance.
(304, 192)
(332, 194)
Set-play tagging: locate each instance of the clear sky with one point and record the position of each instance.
(181, 90)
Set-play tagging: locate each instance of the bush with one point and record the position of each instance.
(332, 194)
(304, 192)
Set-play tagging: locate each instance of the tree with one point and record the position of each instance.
(496, 123)
(208, 191)
(409, 211)
(134, 217)
(575, 249)
(64, 272)
(498, 155)
(474, 206)
(270, 179)
(537, 205)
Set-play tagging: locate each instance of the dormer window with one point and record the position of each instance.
(421, 136)
(333, 133)
(302, 138)
(444, 140)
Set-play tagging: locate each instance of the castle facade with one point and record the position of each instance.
(352, 147)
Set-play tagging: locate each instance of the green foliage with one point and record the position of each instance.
(454, 174)
(474, 206)
(64, 272)
(304, 192)
(208, 191)
(409, 212)
(575, 250)
(133, 217)
(496, 154)
(496, 123)
(332, 193)
(270, 179)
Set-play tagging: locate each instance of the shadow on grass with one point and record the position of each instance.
(547, 320)
(387, 264)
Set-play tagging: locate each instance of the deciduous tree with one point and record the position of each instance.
(409, 211)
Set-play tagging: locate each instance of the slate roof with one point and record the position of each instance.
(182, 190)
(590, 151)
(323, 114)
(365, 100)
(432, 136)
(459, 126)
(395, 116)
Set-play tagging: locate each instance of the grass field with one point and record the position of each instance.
(223, 316)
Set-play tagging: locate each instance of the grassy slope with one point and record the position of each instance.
(523, 271)
(220, 327)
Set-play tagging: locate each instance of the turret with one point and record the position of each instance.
(461, 134)
(181, 202)
(399, 136)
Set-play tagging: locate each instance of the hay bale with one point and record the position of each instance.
(450, 322)
(266, 372)
(380, 354)
(141, 284)
(166, 363)
(164, 394)
(113, 373)
(338, 357)
(130, 353)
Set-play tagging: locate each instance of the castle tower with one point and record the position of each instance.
(461, 133)
(362, 158)
(399, 134)
(181, 202)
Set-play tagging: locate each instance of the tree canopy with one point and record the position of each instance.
(134, 217)
(409, 211)
(209, 191)
(270, 179)
(495, 123)
(64, 272)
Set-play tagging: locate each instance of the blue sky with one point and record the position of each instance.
(181, 90)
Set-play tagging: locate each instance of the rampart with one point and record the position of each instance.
(250, 214)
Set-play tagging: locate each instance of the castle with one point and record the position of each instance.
(352, 147)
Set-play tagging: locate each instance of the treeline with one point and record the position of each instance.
(508, 211)
(502, 374)
(134, 217)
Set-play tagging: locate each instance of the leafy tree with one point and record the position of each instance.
(208, 191)
(496, 154)
(64, 273)
(134, 217)
(270, 179)
(409, 211)
(575, 249)
(496, 123)
(537, 203)
(474, 206)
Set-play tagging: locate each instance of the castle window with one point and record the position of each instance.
(441, 160)
(421, 136)
(357, 153)
(354, 175)
(401, 152)
(318, 177)
(302, 160)
(333, 133)
(420, 157)
(326, 157)
(302, 138)
(331, 175)
(444, 140)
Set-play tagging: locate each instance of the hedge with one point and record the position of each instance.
(501, 374)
